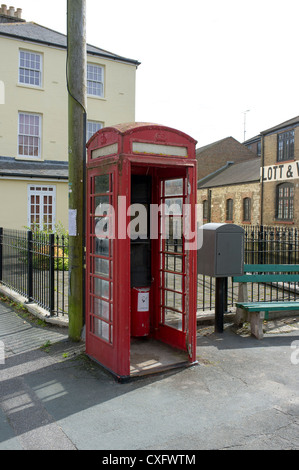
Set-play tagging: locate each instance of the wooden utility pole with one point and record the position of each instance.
(76, 83)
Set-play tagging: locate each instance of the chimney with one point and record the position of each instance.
(10, 14)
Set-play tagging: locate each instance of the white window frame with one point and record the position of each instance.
(92, 128)
(29, 137)
(93, 82)
(41, 190)
(30, 72)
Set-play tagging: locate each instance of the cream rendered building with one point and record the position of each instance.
(33, 117)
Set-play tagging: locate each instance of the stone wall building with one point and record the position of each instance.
(233, 195)
(260, 189)
(280, 174)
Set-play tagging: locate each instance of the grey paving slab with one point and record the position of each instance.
(18, 335)
(243, 394)
(8, 440)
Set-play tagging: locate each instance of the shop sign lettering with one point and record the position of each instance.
(280, 172)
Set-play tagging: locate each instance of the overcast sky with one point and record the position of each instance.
(203, 62)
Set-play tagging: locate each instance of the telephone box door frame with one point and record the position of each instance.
(116, 150)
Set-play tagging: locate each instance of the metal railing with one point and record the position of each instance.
(271, 245)
(262, 245)
(35, 265)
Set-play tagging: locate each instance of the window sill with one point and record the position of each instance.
(30, 87)
(281, 162)
(101, 98)
(288, 222)
(246, 222)
(30, 159)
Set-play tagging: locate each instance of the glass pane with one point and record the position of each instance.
(173, 300)
(174, 263)
(101, 288)
(101, 329)
(101, 308)
(174, 187)
(173, 319)
(173, 281)
(172, 229)
(173, 245)
(101, 246)
(101, 184)
(174, 206)
(101, 205)
(101, 229)
(101, 266)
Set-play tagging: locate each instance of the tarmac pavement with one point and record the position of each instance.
(243, 394)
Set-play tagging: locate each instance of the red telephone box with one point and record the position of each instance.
(141, 269)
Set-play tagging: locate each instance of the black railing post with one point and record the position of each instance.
(225, 294)
(290, 245)
(51, 283)
(253, 246)
(261, 245)
(296, 246)
(219, 303)
(29, 267)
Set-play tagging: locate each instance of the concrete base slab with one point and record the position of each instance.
(148, 356)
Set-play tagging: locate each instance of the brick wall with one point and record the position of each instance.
(212, 157)
(270, 188)
(270, 148)
(219, 196)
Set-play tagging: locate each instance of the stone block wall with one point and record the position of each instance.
(237, 193)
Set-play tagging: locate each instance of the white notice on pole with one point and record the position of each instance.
(143, 302)
(73, 222)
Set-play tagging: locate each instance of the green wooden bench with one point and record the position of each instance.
(266, 273)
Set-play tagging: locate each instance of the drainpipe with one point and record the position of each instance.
(262, 182)
(209, 204)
